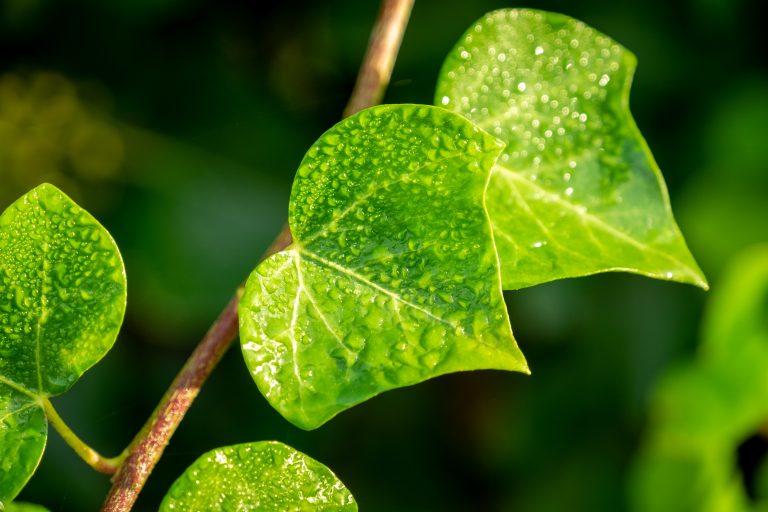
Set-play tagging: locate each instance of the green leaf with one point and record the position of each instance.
(738, 310)
(720, 398)
(23, 432)
(62, 300)
(704, 409)
(576, 191)
(392, 278)
(267, 476)
(18, 506)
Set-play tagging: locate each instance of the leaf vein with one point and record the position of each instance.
(589, 218)
(363, 280)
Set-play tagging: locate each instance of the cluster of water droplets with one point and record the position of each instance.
(257, 476)
(392, 249)
(62, 291)
(551, 88)
(576, 191)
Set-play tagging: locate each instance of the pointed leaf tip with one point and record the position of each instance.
(576, 191)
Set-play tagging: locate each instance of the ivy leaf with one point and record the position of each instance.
(576, 191)
(23, 432)
(704, 409)
(62, 300)
(392, 278)
(266, 475)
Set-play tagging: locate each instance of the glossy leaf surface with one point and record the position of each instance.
(577, 190)
(393, 277)
(265, 476)
(62, 300)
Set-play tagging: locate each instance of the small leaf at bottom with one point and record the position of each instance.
(265, 476)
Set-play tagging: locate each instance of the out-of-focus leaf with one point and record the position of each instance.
(705, 409)
(576, 191)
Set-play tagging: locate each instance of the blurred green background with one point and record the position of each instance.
(179, 124)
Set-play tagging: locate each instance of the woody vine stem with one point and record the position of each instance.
(132, 467)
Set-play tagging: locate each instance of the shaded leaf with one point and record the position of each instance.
(267, 476)
(18, 506)
(62, 300)
(703, 410)
(23, 432)
(576, 191)
(392, 278)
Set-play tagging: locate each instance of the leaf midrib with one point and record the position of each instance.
(367, 282)
(43, 313)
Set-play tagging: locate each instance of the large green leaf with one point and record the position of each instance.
(265, 476)
(576, 191)
(62, 300)
(393, 277)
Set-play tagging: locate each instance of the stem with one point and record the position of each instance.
(376, 70)
(88, 454)
(148, 445)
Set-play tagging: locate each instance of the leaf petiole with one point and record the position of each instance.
(89, 455)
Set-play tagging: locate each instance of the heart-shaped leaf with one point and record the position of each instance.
(62, 300)
(393, 277)
(258, 476)
(576, 191)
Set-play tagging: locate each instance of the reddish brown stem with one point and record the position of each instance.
(376, 70)
(148, 445)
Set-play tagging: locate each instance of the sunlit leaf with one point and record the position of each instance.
(266, 476)
(62, 300)
(576, 191)
(392, 278)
